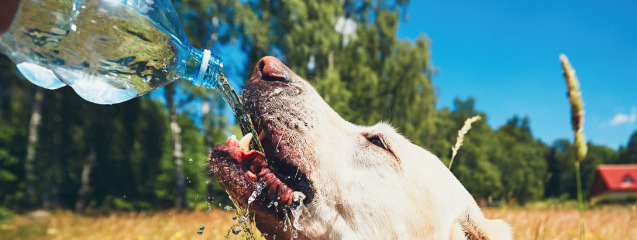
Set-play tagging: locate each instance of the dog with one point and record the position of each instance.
(321, 177)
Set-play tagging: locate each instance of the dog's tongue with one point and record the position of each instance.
(256, 169)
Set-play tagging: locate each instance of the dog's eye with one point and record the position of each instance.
(376, 141)
(379, 140)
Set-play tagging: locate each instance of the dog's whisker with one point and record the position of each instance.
(280, 138)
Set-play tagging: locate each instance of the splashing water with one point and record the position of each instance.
(286, 221)
(259, 186)
(209, 206)
(201, 228)
(296, 214)
(228, 208)
(241, 226)
(236, 229)
(243, 119)
(243, 223)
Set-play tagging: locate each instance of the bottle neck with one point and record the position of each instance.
(209, 70)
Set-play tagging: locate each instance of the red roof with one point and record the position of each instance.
(619, 177)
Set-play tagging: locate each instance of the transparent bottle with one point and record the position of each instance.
(108, 51)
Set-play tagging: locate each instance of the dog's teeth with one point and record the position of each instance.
(244, 143)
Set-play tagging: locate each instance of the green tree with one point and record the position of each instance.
(561, 172)
(596, 156)
(34, 127)
(15, 95)
(473, 165)
(506, 164)
(347, 49)
(522, 160)
(628, 155)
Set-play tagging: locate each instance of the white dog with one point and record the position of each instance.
(326, 178)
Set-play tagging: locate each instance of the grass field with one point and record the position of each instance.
(606, 223)
(138, 226)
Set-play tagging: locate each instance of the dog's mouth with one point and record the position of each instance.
(271, 182)
(250, 179)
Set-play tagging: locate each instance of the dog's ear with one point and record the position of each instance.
(485, 229)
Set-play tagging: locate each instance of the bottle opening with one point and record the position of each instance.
(205, 60)
(209, 70)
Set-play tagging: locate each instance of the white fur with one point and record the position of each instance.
(366, 192)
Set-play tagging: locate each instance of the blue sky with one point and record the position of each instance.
(506, 55)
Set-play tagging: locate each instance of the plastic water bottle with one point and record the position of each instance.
(108, 51)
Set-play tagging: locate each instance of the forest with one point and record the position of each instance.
(149, 153)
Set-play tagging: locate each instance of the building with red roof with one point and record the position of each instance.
(614, 180)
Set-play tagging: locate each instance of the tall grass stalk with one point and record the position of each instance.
(577, 121)
(463, 131)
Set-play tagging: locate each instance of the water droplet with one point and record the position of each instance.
(228, 208)
(259, 186)
(190, 160)
(234, 218)
(201, 228)
(244, 218)
(286, 220)
(147, 78)
(295, 234)
(236, 229)
(296, 213)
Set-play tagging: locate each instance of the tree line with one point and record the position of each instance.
(59, 151)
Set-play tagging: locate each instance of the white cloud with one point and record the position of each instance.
(621, 118)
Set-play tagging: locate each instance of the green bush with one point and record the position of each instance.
(5, 214)
(629, 199)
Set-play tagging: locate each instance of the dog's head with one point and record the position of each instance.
(334, 179)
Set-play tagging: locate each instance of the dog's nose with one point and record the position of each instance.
(271, 69)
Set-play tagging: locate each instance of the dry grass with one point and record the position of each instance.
(463, 131)
(163, 225)
(605, 223)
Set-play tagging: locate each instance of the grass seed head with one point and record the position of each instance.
(463, 131)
